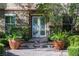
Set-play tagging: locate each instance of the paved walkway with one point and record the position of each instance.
(42, 49)
(36, 52)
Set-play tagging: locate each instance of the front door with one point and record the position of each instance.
(38, 26)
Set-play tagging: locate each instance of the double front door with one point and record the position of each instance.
(38, 26)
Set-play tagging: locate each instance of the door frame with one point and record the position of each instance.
(45, 25)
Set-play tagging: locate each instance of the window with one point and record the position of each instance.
(9, 22)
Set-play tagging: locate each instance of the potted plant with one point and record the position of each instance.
(13, 40)
(58, 40)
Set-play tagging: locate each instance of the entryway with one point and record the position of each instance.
(39, 31)
(38, 26)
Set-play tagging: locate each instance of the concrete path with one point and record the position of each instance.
(36, 52)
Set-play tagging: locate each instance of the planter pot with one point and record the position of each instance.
(58, 44)
(14, 44)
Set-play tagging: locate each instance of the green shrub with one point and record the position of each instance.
(49, 37)
(17, 31)
(26, 36)
(2, 50)
(66, 43)
(4, 41)
(73, 51)
(21, 32)
(74, 40)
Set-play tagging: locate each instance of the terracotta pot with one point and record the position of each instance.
(14, 44)
(58, 44)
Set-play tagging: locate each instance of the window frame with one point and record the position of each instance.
(10, 23)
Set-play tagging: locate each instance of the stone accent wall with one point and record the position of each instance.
(20, 9)
(2, 21)
(22, 18)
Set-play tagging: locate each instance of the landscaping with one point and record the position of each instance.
(49, 29)
(74, 45)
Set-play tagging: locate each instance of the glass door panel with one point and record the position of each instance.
(35, 26)
(42, 26)
(38, 26)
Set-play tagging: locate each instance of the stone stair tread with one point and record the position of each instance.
(36, 42)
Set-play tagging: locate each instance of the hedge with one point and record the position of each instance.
(73, 51)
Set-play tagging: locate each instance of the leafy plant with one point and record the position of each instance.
(4, 41)
(49, 37)
(74, 40)
(54, 13)
(17, 31)
(21, 32)
(11, 37)
(2, 50)
(26, 36)
(59, 36)
(73, 51)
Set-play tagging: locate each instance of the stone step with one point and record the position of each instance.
(35, 45)
(36, 42)
(39, 40)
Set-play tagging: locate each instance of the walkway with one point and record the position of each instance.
(37, 52)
